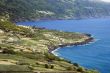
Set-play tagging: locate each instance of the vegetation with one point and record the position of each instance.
(80, 69)
(49, 66)
(8, 51)
(19, 52)
(19, 10)
(76, 64)
(24, 48)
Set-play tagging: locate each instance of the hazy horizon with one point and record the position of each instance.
(106, 0)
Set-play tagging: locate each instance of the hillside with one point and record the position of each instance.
(20, 10)
(24, 48)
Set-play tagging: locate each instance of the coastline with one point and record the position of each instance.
(90, 39)
(75, 18)
(53, 48)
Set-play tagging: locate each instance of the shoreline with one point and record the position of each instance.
(53, 48)
(40, 19)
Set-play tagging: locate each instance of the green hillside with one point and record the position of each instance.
(19, 10)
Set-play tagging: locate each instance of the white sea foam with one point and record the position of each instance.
(95, 40)
(55, 52)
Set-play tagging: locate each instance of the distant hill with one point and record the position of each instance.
(19, 10)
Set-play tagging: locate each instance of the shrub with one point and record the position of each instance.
(76, 64)
(8, 51)
(0, 47)
(37, 63)
(52, 67)
(80, 69)
(49, 66)
(46, 66)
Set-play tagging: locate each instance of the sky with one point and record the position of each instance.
(106, 0)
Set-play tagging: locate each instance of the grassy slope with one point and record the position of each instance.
(25, 49)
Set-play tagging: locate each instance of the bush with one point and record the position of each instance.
(0, 47)
(80, 69)
(37, 63)
(46, 66)
(8, 51)
(49, 66)
(52, 67)
(76, 64)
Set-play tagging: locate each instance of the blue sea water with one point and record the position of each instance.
(95, 55)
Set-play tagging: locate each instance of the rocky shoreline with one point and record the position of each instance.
(90, 39)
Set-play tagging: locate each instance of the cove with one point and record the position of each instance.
(95, 55)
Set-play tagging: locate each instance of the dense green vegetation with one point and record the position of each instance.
(53, 9)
